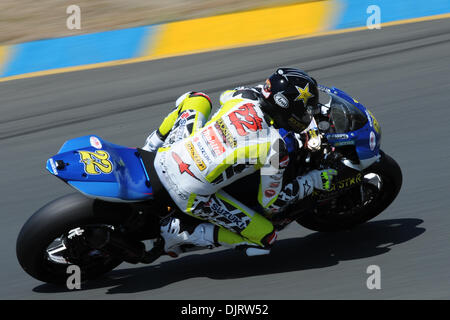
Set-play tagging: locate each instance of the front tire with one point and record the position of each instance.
(47, 224)
(391, 176)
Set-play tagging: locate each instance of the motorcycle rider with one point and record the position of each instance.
(196, 160)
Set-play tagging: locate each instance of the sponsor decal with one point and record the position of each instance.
(337, 136)
(281, 100)
(205, 140)
(344, 183)
(194, 155)
(269, 193)
(178, 131)
(182, 166)
(185, 115)
(372, 140)
(217, 209)
(304, 94)
(246, 119)
(344, 143)
(53, 165)
(347, 182)
(212, 140)
(373, 122)
(284, 162)
(233, 218)
(202, 149)
(312, 134)
(95, 142)
(274, 185)
(96, 162)
(227, 137)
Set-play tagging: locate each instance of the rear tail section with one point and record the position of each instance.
(100, 169)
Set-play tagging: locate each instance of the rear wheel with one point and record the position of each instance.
(52, 239)
(380, 186)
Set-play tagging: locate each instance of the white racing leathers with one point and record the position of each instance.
(236, 142)
(196, 162)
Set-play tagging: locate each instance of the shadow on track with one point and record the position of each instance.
(316, 250)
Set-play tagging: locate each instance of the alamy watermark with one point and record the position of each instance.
(74, 279)
(374, 20)
(259, 148)
(74, 20)
(374, 280)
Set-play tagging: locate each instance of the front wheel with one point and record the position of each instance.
(380, 186)
(51, 240)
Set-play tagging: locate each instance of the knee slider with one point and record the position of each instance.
(269, 239)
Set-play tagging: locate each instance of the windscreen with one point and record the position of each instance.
(345, 116)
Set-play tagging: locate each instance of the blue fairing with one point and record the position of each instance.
(289, 140)
(365, 139)
(102, 169)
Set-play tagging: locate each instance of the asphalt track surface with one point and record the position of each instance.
(401, 73)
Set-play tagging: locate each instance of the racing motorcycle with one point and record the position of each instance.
(116, 210)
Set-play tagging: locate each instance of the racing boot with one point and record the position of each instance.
(176, 234)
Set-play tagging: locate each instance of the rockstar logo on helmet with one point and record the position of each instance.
(304, 94)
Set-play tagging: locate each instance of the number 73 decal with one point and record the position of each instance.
(96, 162)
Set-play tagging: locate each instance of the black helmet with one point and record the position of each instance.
(290, 96)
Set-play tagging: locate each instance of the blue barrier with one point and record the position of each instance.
(353, 13)
(96, 48)
(78, 50)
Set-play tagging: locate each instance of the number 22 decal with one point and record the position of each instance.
(96, 162)
(246, 119)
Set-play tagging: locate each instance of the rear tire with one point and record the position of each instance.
(50, 222)
(391, 175)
